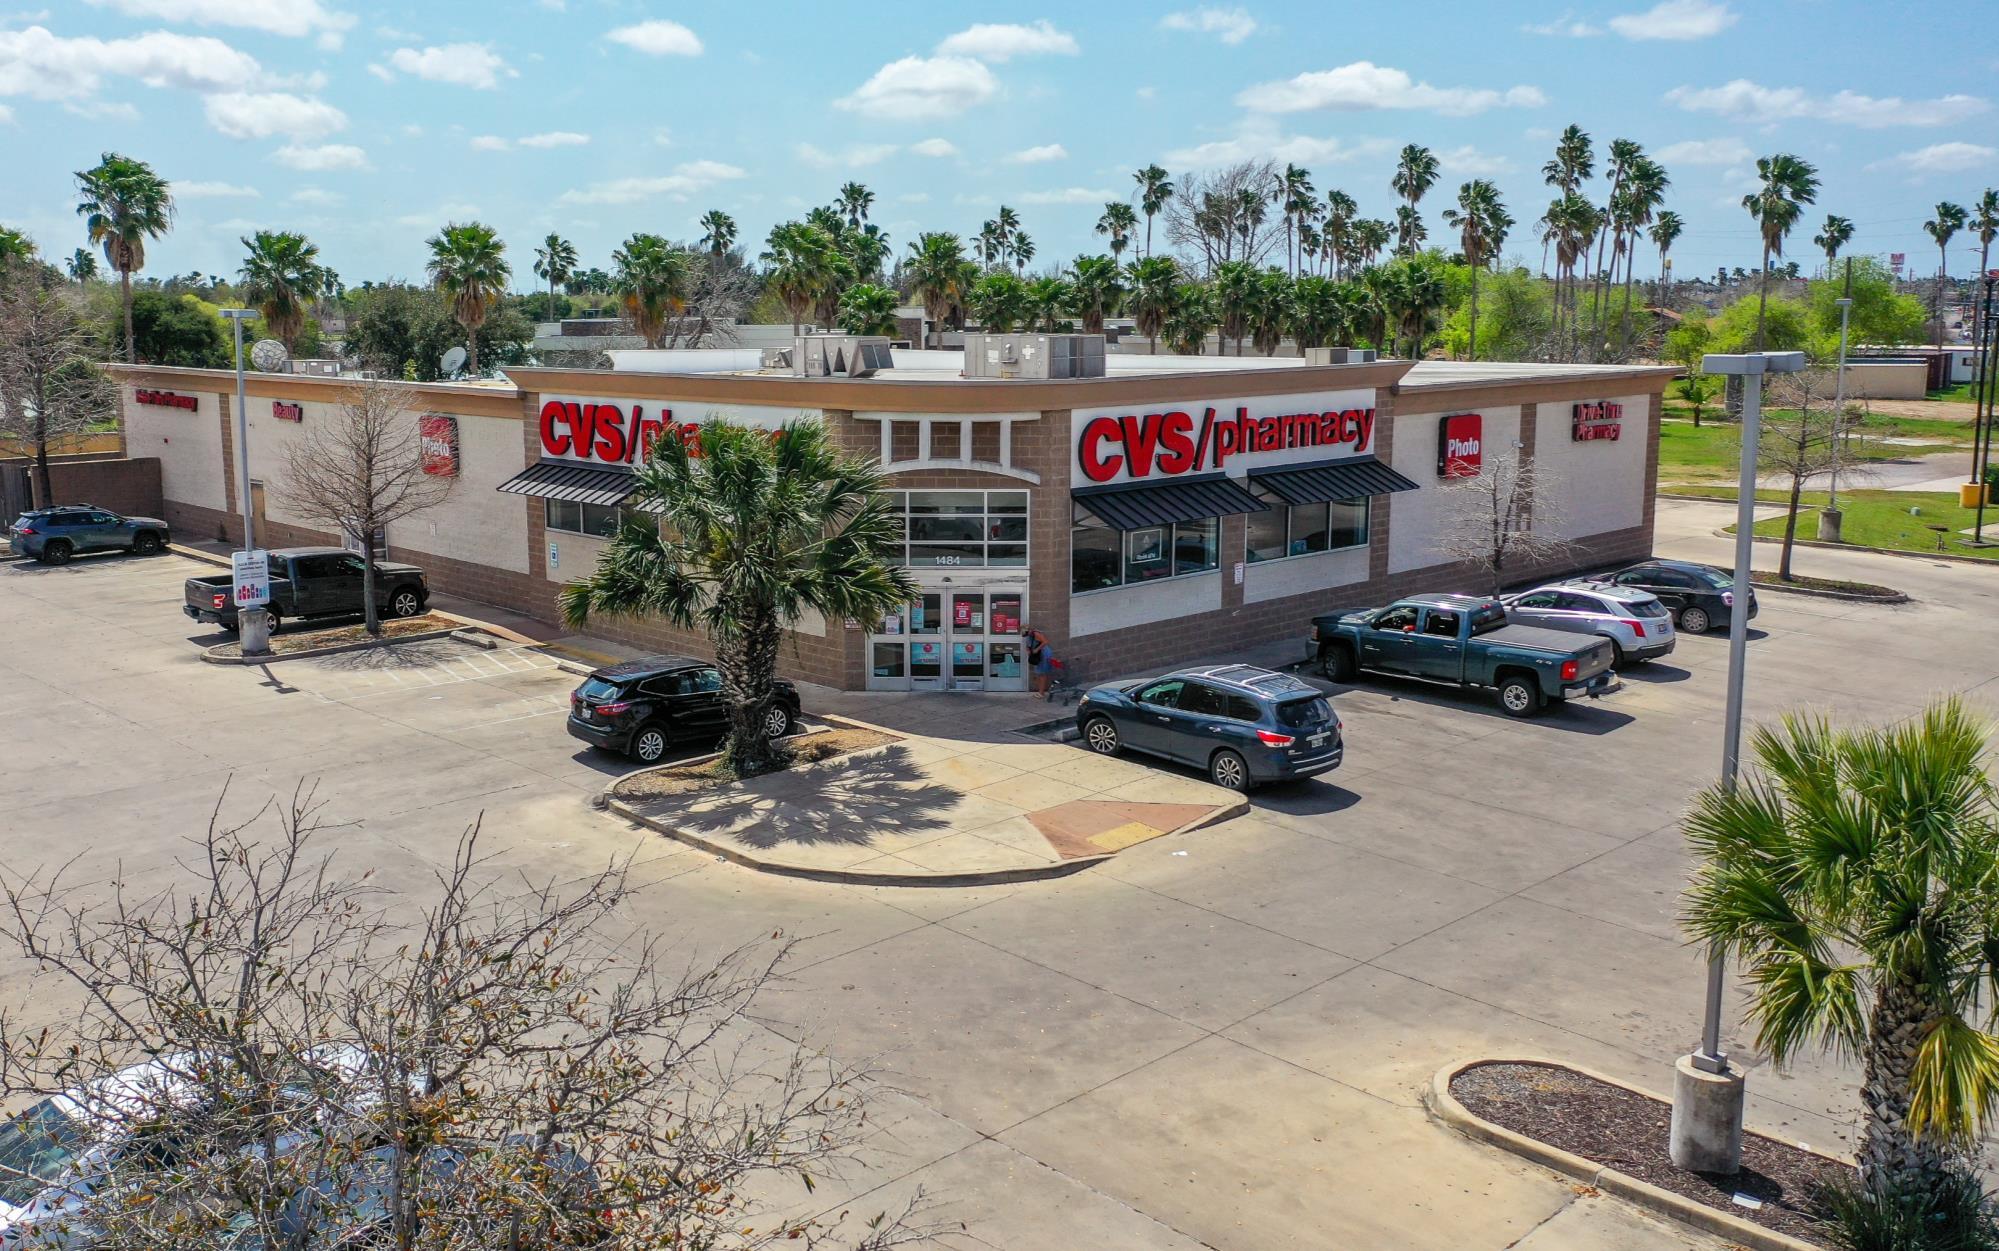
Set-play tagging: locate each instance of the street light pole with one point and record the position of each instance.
(253, 626)
(1829, 518)
(1706, 1134)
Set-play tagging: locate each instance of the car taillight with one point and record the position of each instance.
(217, 600)
(1271, 738)
(1569, 670)
(25, 530)
(1637, 627)
(612, 710)
(1728, 598)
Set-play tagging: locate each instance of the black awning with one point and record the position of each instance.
(1351, 479)
(1134, 507)
(555, 480)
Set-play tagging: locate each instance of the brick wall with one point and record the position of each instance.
(124, 486)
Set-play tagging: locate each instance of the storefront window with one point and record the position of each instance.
(564, 515)
(1348, 524)
(1267, 539)
(960, 529)
(1096, 556)
(1148, 554)
(1101, 558)
(1308, 529)
(1304, 529)
(1197, 545)
(598, 520)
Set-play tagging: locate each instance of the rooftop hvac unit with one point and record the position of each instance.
(1339, 356)
(776, 358)
(841, 355)
(1034, 356)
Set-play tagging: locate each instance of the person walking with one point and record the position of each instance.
(1040, 659)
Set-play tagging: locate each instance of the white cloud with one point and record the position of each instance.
(489, 143)
(858, 156)
(459, 64)
(1037, 155)
(324, 157)
(555, 139)
(1676, 19)
(294, 18)
(197, 190)
(1941, 158)
(263, 114)
(1147, 93)
(933, 147)
(1567, 26)
(998, 41)
(658, 37)
(1259, 140)
(1728, 151)
(1068, 195)
(314, 195)
(915, 88)
(1231, 26)
(6, 116)
(683, 181)
(1748, 101)
(1470, 161)
(914, 197)
(1365, 85)
(45, 66)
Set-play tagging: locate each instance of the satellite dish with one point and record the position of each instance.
(269, 355)
(453, 361)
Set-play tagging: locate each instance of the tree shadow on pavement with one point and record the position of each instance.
(872, 800)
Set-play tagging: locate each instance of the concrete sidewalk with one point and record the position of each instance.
(934, 811)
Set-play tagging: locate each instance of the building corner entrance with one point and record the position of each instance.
(953, 637)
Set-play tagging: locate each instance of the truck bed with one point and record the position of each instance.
(1539, 638)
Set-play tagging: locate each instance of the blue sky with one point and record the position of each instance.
(368, 126)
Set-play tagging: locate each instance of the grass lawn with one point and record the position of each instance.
(1712, 451)
(1882, 519)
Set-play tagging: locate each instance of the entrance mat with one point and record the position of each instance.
(1092, 827)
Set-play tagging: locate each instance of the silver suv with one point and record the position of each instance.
(1638, 626)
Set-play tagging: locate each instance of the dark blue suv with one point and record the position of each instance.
(1243, 725)
(53, 535)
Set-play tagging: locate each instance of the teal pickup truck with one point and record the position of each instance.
(1464, 641)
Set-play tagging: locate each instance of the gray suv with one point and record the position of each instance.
(53, 535)
(1639, 627)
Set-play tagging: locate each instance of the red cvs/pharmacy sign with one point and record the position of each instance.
(603, 433)
(1134, 445)
(1460, 445)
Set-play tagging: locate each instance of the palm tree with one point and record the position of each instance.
(1154, 282)
(1322, 310)
(16, 246)
(1410, 295)
(123, 203)
(469, 264)
(1234, 291)
(1248, 216)
(280, 276)
(1190, 320)
(868, 309)
(1005, 223)
(1855, 876)
(1789, 183)
(755, 533)
(1624, 156)
(1310, 241)
(1573, 165)
(1340, 214)
(1118, 221)
(867, 249)
(1153, 192)
(1665, 232)
(718, 233)
(1022, 248)
(650, 278)
(1482, 221)
(935, 264)
(855, 201)
(1269, 311)
(1984, 220)
(554, 260)
(806, 265)
(1644, 191)
(1410, 233)
(1834, 235)
(991, 246)
(1295, 194)
(1371, 235)
(1415, 173)
(1096, 289)
(999, 301)
(82, 266)
(1047, 301)
(1949, 219)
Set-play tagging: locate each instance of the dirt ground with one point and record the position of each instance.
(1933, 410)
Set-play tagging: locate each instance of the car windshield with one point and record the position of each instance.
(1299, 713)
(34, 1148)
(597, 688)
(1714, 578)
(1487, 618)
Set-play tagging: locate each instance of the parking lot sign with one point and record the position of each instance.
(252, 572)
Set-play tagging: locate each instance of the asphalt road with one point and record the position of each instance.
(1217, 1039)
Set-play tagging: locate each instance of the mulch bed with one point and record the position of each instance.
(1629, 1132)
(1760, 578)
(285, 642)
(705, 775)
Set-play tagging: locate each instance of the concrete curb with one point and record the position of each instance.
(1724, 533)
(857, 877)
(1444, 1106)
(195, 553)
(1899, 597)
(209, 654)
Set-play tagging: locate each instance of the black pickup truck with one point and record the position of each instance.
(312, 582)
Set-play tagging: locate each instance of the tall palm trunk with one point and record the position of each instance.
(125, 296)
(1148, 234)
(1891, 1157)
(1762, 295)
(1471, 349)
(748, 662)
(1943, 263)
(472, 349)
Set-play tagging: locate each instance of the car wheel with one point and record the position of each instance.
(56, 552)
(145, 543)
(405, 603)
(1519, 697)
(1336, 663)
(777, 721)
(1694, 621)
(1100, 734)
(1229, 771)
(649, 744)
(277, 622)
(1616, 654)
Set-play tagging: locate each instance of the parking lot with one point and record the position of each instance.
(1217, 1039)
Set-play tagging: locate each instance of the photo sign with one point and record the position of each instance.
(251, 578)
(1460, 445)
(438, 435)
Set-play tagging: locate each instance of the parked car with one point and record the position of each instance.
(1245, 726)
(53, 535)
(312, 582)
(643, 707)
(1700, 597)
(1638, 626)
(1466, 641)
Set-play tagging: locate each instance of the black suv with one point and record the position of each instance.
(53, 535)
(643, 707)
(1700, 597)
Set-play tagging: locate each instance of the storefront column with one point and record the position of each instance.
(1233, 550)
(1043, 446)
(1530, 433)
(1381, 509)
(537, 513)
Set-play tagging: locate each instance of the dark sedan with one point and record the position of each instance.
(1700, 597)
(642, 707)
(1244, 726)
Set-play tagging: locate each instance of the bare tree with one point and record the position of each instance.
(1504, 517)
(361, 471)
(495, 1066)
(49, 387)
(1224, 214)
(723, 288)
(1803, 437)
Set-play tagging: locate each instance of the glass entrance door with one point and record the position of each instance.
(958, 640)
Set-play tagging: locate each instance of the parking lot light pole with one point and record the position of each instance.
(253, 627)
(1706, 1133)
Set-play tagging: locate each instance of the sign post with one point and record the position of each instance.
(253, 627)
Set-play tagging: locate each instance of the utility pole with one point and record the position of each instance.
(253, 627)
(1983, 411)
(1829, 516)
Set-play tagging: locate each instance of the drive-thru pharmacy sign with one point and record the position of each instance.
(1600, 420)
(1159, 443)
